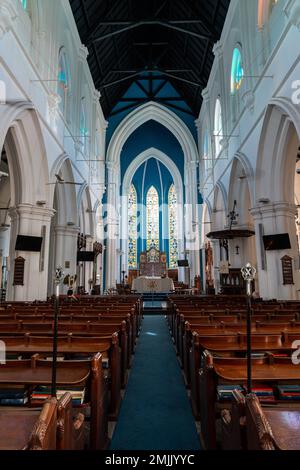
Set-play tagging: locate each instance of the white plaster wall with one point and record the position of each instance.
(271, 64)
(29, 50)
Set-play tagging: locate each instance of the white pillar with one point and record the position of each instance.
(30, 220)
(112, 258)
(66, 250)
(88, 266)
(192, 220)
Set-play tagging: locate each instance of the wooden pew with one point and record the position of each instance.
(70, 431)
(229, 370)
(97, 394)
(233, 424)
(88, 373)
(70, 346)
(101, 330)
(271, 428)
(29, 429)
(267, 426)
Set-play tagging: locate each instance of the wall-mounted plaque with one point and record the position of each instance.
(287, 270)
(19, 271)
(224, 267)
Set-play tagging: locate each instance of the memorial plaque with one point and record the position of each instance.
(287, 270)
(19, 271)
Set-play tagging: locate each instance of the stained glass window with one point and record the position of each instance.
(173, 239)
(237, 71)
(63, 79)
(218, 127)
(132, 228)
(152, 211)
(24, 4)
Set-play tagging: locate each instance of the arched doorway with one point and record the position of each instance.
(25, 203)
(240, 199)
(65, 223)
(143, 169)
(168, 119)
(277, 192)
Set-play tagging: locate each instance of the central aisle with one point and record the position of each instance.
(155, 413)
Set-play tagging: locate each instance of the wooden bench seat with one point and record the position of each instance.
(88, 373)
(100, 330)
(271, 428)
(29, 429)
(73, 346)
(216, 371)
(251, 425)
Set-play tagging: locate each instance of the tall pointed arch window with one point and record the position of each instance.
(218, 127)
(132, 228)
(63, 79)
(173, 237)
(152, 218)
(237, 71)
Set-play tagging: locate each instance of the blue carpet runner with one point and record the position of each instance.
(155, 413)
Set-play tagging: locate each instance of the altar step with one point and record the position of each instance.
(154, 303)
(159, 296)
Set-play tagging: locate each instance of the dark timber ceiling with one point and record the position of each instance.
(172, 38)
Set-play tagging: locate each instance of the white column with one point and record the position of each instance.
(88, 266)
(112, 258)
(30, 220)
(66, 250)
(192, 220)
(276, 218)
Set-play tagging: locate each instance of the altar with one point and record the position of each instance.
(153, 263)
(153, 273)
(145, 284)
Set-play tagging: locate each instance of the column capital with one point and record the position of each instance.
(8, 14)
(192, 165)
(54, 101)
(110, 165)
(205, 95)
(292, 12)
(31, 211)
(67, 230)
(83, 52)
(277, 208)
(218, 49)
(96, 95)
(198, 123)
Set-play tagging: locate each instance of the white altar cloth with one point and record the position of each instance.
(152, 284)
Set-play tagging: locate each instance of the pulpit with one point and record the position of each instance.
(153, 262)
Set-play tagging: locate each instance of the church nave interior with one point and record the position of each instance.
(149, 228)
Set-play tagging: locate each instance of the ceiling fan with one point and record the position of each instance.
(60, 180)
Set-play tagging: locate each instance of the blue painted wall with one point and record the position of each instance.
(152, 134)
